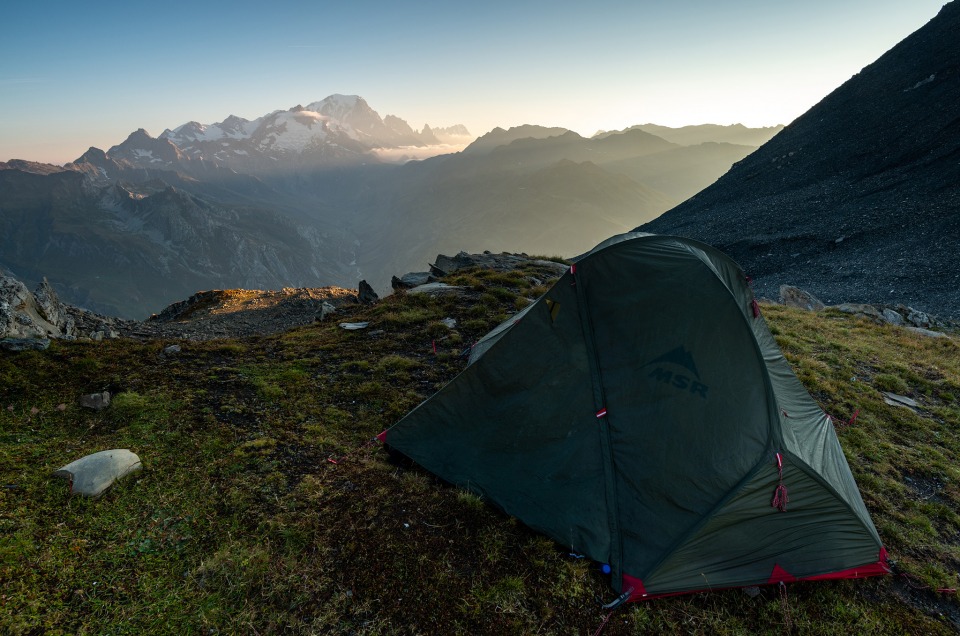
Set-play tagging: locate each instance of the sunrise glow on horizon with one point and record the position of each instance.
(74, 76)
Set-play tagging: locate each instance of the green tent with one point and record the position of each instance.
(641, 413)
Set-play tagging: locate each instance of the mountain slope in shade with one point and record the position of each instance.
(859, 198)
(560, 209)
(128, 249)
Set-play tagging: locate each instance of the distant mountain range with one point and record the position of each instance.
(307, 197)
(858, 199)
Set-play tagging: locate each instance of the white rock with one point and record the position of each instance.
(92, 475)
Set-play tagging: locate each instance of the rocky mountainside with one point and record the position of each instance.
(127, 249)
(858, 199)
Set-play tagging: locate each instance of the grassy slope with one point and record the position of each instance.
(238, 524)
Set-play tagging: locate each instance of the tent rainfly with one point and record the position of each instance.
(641, 413)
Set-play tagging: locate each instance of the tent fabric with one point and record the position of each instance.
(636, 413)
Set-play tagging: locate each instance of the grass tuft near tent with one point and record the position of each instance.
(239, 523)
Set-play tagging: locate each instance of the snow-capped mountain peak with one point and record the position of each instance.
(336, 129)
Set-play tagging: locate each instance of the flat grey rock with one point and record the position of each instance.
(412, 279)
(25, 344)
(92, 475)
(928, 333)
(898, 400)
(859, 309)
(353, 326)
(437, 289)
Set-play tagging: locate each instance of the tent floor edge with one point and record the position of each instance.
(880, 567)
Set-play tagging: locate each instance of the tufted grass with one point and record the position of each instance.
(238, 522)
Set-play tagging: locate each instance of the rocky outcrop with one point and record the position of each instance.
(898, 315)
(444, 265)
(365, 293)
(31, 315)
(41, 315)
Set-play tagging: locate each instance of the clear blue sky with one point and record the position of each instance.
(79, 74)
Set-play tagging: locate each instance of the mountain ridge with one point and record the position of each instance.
(317, 184)
(857, 198)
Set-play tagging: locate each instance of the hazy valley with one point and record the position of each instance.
(312, 196)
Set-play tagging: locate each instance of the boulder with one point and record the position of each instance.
(32, 315)
(444, 265)
(558, 268)
(325, 310)
(412, 279)
(917, 318)
(92, 475)
(365, 293)
(49, 307)
(796, 297)
(892, 317)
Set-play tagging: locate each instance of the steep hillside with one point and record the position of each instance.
(129, 249)
(858, 199)
(239, 523)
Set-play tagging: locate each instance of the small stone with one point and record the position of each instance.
(353, 326)
(172, 349)
(451, 323)
(752, 591)
(96, 401)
